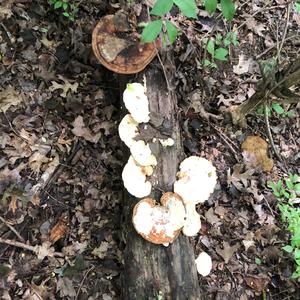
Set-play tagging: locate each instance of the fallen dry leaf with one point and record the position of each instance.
(255, 153)
(9, 97)
(257, 283)
(66, 86)
(59, 229)
(81, 131)
(44, 250)
(238, 178)
(227, 251)
(101, 251)
(243, 65)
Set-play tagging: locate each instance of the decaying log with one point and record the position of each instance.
(276, 84)
(155, 271)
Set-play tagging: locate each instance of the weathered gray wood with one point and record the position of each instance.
(152, 270)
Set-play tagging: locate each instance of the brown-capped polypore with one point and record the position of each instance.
(159, 224)
(117, 45)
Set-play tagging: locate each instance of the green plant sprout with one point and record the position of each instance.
(68, 9)
(188, 8)
(274, 107)
(288, 190)
(297, 7)
(218, 48)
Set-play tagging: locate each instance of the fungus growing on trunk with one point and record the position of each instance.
(116, 44)
(159, 224)
(134, 178)
(196, 180)
(128, 130)
(141, 153)
(137, 102)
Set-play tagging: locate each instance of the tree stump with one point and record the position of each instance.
(155, 271)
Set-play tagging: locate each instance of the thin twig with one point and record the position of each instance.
(33, 249)
(159, 58)
(285, 31)
(82, 281)
(12, 229)
(273, 46)
(270, 135)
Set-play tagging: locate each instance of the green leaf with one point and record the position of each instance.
(171, 31)
(278, 108)
(58, 4)
(151, 31)
(187, 7)
(210, 6)
(211, 47)
(66, 14)
(288, 248)
(206, 63)
(65, 6)
(221, 54)
(258, 261)
(289, 184)
(228, 9)
(161, 7)
(297, 253)
(297, 187)
(297, 7)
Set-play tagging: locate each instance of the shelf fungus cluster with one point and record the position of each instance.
(196, 180)
(141, 161)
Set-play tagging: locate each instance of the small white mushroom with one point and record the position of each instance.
(141, 153)
(136, 102)
(192, 223)
(203, 264)
(167, 142)
(128, 130)
(134, 178)
(196, 180)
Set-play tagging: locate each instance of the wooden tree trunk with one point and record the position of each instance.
(155, 271)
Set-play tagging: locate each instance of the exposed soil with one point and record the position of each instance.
(61, 158)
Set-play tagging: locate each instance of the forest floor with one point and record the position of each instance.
(61, 158)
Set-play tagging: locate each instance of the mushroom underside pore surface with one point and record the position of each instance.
(124, 55)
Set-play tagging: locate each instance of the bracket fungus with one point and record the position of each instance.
(134, 178)
(159, 224)
(141, 153)
(116, 44)
(128, 130)
(196, 180)
(136, 101)
(203, 264)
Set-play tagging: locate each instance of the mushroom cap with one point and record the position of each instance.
(203, 264)
(192, 224)
(141, 153)
(159, 224)
(196, 180)
(128, 130)
(124, 55)
(134, 178)
(137, 102)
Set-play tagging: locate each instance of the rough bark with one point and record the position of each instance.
(155, 271)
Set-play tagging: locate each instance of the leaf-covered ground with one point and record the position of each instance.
(61, 158)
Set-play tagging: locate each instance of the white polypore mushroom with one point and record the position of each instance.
(136, 102)
(196, 180)
(159, 224)
(128, 130)
(134, 178)
(203, 264)
(141, 153)
(192, 223)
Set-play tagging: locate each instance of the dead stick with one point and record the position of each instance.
(12, 229)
